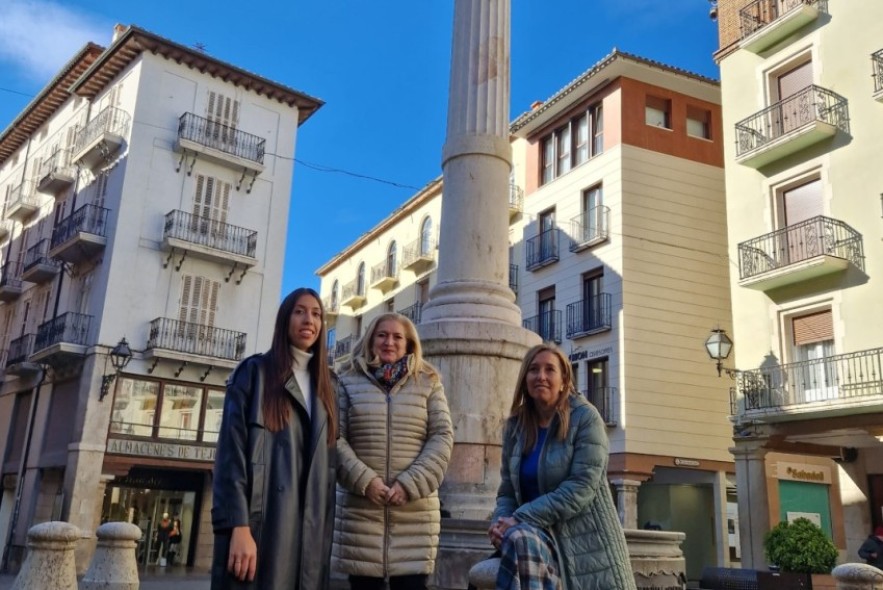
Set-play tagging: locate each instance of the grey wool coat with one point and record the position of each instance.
(281, 484)
(575, 505)
(405, 436)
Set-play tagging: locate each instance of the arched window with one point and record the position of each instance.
(334, 296)
(391, 260)
(360, 280)
(426, 236)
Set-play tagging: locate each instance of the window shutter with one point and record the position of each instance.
(186, 288)
(816, 327)
(792, 82)
(803, 202)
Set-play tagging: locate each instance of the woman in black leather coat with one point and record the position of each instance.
(274, 476)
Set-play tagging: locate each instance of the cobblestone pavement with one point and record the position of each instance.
(174, 578)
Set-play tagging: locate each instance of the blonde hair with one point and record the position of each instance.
(524, 410)
(363, 353)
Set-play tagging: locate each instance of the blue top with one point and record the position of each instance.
(530, 482)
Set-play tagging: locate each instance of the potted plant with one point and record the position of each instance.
(799, 549)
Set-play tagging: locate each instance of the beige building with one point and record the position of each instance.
(802, 82)
(145, 197)
(618, 254)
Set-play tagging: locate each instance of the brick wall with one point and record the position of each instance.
(729, 29)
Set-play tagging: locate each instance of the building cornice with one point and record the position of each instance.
(47, 102)
(134, 40)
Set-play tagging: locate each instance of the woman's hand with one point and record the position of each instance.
(397, 496)
(377, 491)
(243, 557)
(499, 528)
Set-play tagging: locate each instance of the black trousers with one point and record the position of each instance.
(413, 582)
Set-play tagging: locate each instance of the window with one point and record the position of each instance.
(815, 377)
(786, 92)
(198, 304)
(546, 312)
(222, 113)
(334, 295)
(579, 139)
(390, 305)
(134, 407)
(598, 388)
(547, 234)
(426, 237)
(592, 225)
(391, 260)
(360, 279)
(100, 193)
(698, 122)
(211, 202)
(176, 418)
(658, 112)
(423, 291)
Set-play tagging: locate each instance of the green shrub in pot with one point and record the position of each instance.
(800, 546)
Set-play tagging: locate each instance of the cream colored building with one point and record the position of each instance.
(802, 83)
(618, 254)
(145, 196)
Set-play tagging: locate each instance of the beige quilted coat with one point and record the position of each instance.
(405, 436)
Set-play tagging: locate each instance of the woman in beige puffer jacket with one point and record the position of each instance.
(395, 443)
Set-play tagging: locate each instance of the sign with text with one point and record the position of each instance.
(804, 472)
(160, 450)
(581, 355)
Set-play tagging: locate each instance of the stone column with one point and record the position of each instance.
(754, 507)
(471, 328)
(721, 533)
(627, 501)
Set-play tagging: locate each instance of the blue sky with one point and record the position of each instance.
(381, 67)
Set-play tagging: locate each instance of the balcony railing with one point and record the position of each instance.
(843, 377)
(412, 312)
(811, 105)
(210, 233)
(543, 249)
(223, 138)
(589, 316)
(56, 171)
(516, 199)
(344, 347)
(589, 228)
(418, 253)
(877, 64)
(817, 236)
(513, 278)
(353, 293)
(20, 349)
(89, 219)
(602, 398)
(39, 265)
(331, 306)
(546, 324)
(384, 275)
(69, 328)
(196, 339)
(10, 280)
(111, 120)
(788, 15)
(23, 201)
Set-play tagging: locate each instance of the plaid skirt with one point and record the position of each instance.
(528, 560)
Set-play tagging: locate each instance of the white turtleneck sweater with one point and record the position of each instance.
(301, 372)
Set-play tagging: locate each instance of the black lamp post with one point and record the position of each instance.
(120, 356)
(719, 346)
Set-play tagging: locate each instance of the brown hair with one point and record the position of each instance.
(523, 408)
(277, 403)
(362, 349)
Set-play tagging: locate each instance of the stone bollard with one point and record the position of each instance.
(858, 576)
(114, 566)
(50, 561)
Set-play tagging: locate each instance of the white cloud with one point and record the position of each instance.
(39, 36)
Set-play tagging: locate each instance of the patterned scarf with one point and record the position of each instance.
(389, 374)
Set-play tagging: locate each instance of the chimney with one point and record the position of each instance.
(118, 31)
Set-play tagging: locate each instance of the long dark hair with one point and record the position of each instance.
(277, 405)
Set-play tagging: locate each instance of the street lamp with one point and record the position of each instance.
(120, 356)
(719, 346)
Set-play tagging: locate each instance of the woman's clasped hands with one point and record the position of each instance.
(384, 495)
(498, 529)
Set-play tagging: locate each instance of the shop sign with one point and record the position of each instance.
(160, 450)
(804, 472)
(686, 462)
(581, 355)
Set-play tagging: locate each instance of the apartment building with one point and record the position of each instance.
(618, 254)
(802, 85)
(145, 205)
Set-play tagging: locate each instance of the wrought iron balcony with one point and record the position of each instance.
(802, 251)
(23, 202)
(209, 239)
(419, 255)
(589, 228)
(384, 276)
(331, 307)
(842, 380)
(602, 398)
(81, 235)
(543, 249)
(63, 339)
(221, 143)
(353, 294)
(516, 200)
(546, 324)
(877, 64)
(101, 137)
(412, 312)
(589, 316)
(56, 173)
(10, 281)
(344, 347)
(20, 349)
(766, 22)
(790, 125)
(513, 277)
(39, 266)
(186, 341)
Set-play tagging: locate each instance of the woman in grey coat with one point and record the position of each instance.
(273, 485)
(555, 523)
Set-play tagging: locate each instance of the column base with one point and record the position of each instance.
(468, 301)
